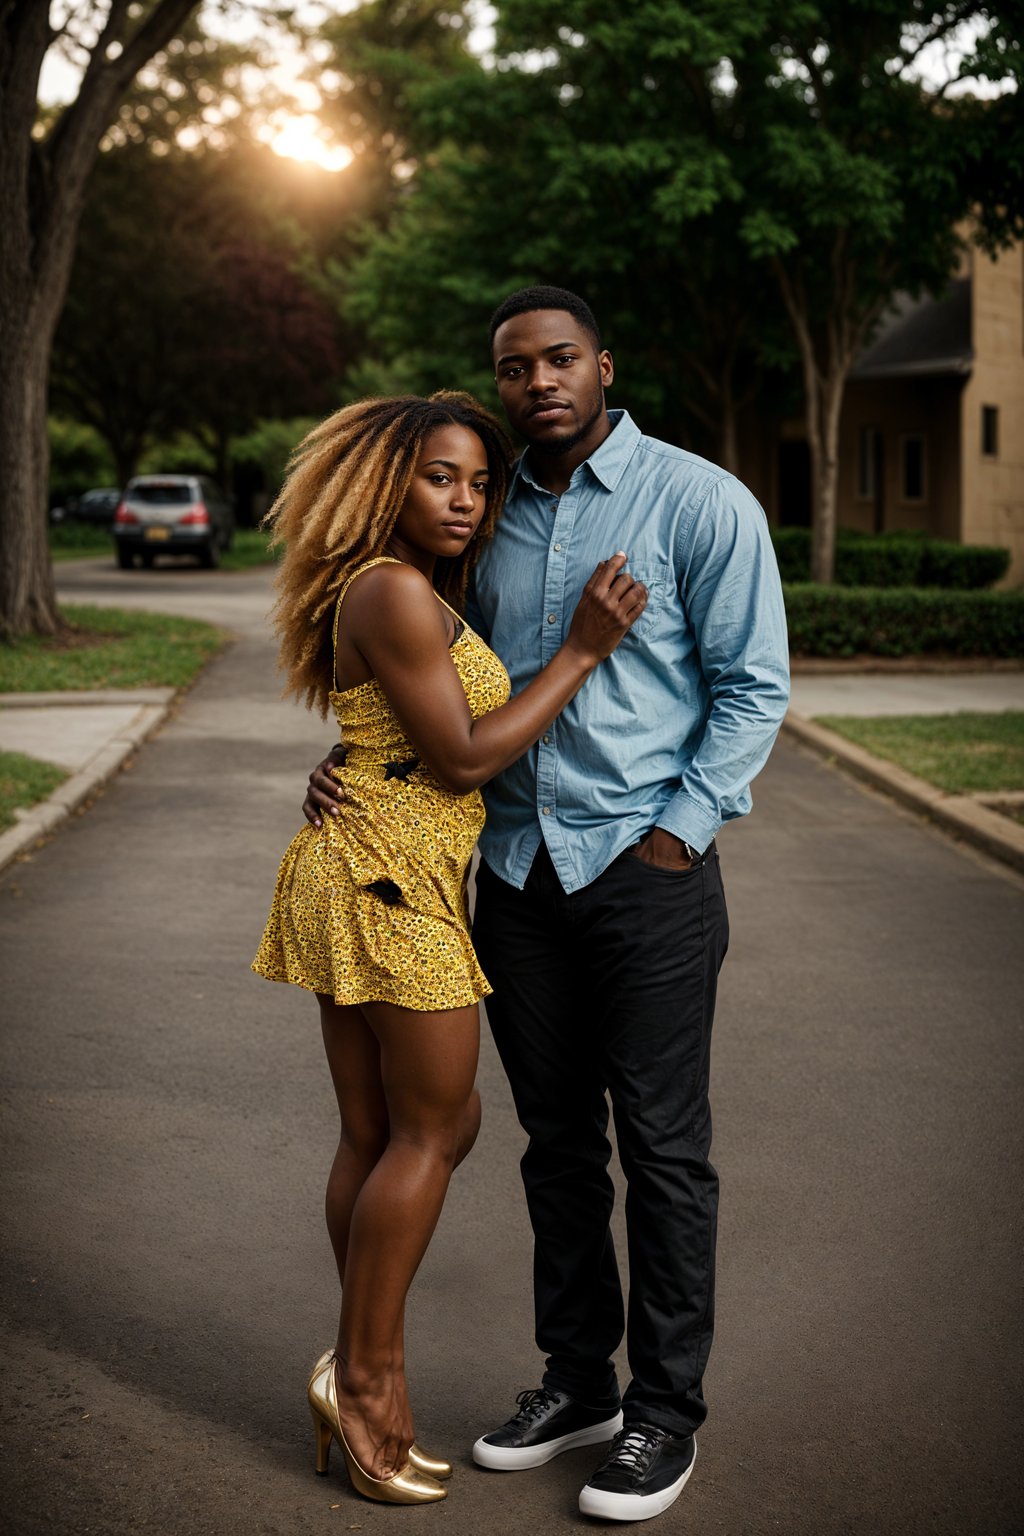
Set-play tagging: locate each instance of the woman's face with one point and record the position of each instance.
(447, 498)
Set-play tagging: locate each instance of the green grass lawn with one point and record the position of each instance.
(23, 782)
(962, 753)
(248, 548)
(110, 648)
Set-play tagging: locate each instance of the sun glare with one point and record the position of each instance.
(302, 138)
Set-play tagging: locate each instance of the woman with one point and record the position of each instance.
(382, 516)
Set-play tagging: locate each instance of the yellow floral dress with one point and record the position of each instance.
(371, 906)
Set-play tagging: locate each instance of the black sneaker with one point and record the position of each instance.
(644, 1472)
(546, 1424)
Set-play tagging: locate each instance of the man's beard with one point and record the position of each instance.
(555, 449)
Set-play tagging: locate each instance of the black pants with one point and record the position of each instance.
(612, 991)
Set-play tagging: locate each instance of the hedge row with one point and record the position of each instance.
(894, 560)
(906, 621)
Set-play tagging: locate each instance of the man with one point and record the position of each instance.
(601, 919)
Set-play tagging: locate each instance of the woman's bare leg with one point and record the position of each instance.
(384, 1201)
(353, 1056)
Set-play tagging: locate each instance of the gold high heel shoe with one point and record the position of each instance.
(410, 1485)
(434, 1466)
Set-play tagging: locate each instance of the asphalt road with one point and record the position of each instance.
(168, 1123)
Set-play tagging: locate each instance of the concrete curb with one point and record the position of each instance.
(154, 706)
(969, 817)
(86, 697)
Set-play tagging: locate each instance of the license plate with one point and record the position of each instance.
(157, 533)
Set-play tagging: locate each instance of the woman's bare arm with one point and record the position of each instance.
(394, 620)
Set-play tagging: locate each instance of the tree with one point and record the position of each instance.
(42, 191)
(192, 306)
(267, 347)
(383, 54)
(861, 180)
(558, 166)
(732, 185)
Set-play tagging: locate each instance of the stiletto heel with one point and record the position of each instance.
(409, 1485)
(323, 1443)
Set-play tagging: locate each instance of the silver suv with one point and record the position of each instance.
(172, 515)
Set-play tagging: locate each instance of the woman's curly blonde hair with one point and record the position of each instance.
(345, 486)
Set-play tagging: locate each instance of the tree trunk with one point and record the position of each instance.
(42, 189)
(28, 600)
(825, 462)
(824, 388)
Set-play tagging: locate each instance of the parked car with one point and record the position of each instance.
(95, 508)
(172, 515)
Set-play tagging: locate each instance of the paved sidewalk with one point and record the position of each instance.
(90, 734)
(70, 728)
(93, 733)
(913, 693)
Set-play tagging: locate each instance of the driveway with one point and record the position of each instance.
(168, 1126)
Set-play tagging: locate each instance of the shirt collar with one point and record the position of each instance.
(607, 463)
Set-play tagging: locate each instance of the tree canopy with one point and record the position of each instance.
(739, 190)
(733, 187)
(195, 304)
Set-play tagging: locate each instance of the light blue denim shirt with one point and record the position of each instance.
(670, 730)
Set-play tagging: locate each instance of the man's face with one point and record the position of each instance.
(551, 379)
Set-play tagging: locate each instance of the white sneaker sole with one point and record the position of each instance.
(633, 1506)
(501, 1458)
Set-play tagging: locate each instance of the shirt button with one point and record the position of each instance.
(551, 618)
(547, 741)
(547, 810)
(558, 547)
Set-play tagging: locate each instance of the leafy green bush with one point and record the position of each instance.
(79, 460)
(269, 446)
(893, 560)
(184, 454)
(79, 536)
(946, 564)
(884, 562)
(793, 552)
(903, 621)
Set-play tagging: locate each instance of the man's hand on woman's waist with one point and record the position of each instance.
(325, 794)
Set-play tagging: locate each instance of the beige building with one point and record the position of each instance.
(932, 430)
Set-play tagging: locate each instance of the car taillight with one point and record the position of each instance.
(122, 515)
(196, 514)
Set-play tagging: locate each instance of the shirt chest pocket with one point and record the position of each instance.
(660, 591)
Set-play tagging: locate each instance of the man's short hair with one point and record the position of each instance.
(525, 300)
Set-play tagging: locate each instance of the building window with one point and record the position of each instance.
(912, 467)
(867, 464)
(990, 430)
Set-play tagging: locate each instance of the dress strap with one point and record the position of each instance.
(349, 579)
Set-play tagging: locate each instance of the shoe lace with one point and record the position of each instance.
(532, 1404)
(632, 1449)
